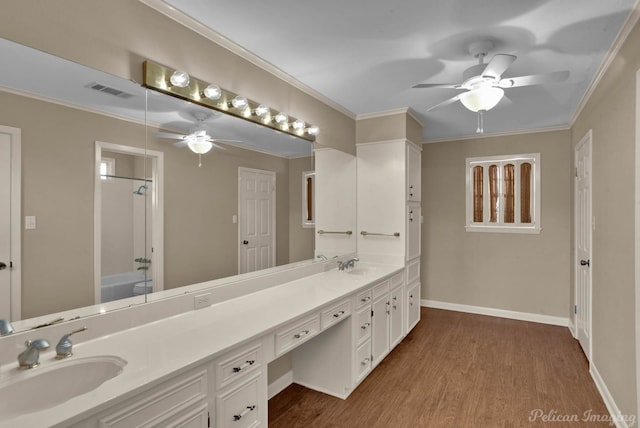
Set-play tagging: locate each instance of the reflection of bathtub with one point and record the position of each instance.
(121, 285)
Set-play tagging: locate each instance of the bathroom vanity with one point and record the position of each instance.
(210, 365)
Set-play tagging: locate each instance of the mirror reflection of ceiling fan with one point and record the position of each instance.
(198, 139)
(484, 85)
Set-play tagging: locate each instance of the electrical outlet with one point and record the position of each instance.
(202, 301)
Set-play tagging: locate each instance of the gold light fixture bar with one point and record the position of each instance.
(158, 78)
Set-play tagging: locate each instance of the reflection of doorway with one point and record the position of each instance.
(128, 222)
(10, 222)
(583, 232)
(257, 219)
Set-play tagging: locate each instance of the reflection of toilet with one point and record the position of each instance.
(140, 288)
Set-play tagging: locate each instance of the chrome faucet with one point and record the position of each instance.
(29, 358)
(322, 257)
(348, 264)
(5, 328)
(64, 346)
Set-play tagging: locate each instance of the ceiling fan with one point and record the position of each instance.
(198, 139)
(484, 85)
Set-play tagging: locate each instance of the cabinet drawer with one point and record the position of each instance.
(363, 359)
(363, 324)
(172, 400)
(380, 289)
(241, 407)
(296, 333)
(238, 364)
(335, 313)
(363, 298)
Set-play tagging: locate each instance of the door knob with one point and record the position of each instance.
(3, 265)
(585, 262)
(245, 242)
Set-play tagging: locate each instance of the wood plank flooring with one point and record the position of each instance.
(461, 370)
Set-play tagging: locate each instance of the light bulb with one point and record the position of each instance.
(213, 92)
(298, 125)
(179, 79)
(199, 146)
(281, 117)
(261, 110)
(484, 98)
(239, 102)
(313, 130)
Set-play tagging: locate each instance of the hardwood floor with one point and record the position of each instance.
(461, 370)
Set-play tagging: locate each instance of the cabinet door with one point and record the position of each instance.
(414, 164)
(396, 318)
(380, 331)
(414, 228)
(413, 305)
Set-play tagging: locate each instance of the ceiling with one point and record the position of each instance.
(365, 55)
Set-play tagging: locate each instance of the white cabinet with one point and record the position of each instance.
(178, 402)
(241, 388)
(413, 305)
(396, 317)
(387, 316)
(414, 173)
(414, 228)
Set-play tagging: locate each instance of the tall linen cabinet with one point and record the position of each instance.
(389, 217)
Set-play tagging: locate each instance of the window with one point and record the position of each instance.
(503, 194)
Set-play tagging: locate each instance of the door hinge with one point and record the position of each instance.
(576, 171)
(372, 313)
(575, 309)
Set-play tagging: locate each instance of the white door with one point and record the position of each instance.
(257, 219)
(10, 223)
(583, 230)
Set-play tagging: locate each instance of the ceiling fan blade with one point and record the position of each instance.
(445, 103)
(534, 79)
(498, 64)
(438, 85)
(180, 144)
(170, 135)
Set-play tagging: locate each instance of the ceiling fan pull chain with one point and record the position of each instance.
(199, 160)
(480, 129)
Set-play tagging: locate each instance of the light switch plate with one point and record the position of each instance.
(30, 222)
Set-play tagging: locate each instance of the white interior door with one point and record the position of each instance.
(257, 219)
(583, 232)
(10, 224)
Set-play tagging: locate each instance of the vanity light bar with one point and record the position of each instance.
(159, 78)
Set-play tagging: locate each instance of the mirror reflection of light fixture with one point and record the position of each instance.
(213, 92)
(179, 79)
(261, 110)
(313, 130)
(280, 118)
(298, 125)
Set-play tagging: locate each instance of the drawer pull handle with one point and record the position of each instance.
(302, 333)
(365, 361)
(243, 413)
(365, 299)
(247, 363)
(365, 325)
(339, 314)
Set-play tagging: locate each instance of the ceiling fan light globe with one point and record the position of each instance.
(199, 147)
(484, 98)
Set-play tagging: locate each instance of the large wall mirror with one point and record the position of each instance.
(84, 133)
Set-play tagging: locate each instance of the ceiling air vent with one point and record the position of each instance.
(108, 90)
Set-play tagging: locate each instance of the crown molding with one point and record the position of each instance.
(624, 32)
(500, 134)
(201, 29)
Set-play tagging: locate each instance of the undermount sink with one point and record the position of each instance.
(55, 382)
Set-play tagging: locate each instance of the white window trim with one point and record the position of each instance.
(306, 223)
(110, 166)
(500, 226)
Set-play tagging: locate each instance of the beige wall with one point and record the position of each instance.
(611, 113)
(516, 272)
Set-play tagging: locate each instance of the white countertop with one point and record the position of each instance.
(156, 351)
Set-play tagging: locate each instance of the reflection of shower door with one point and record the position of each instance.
(257, 219)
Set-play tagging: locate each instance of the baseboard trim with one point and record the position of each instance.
(617, 418)
(278, 385)
(572, 328)
(501, 313)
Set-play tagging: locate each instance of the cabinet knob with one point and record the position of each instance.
(301, 334)
(365, 325)
(247, 363)
(339, 314)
